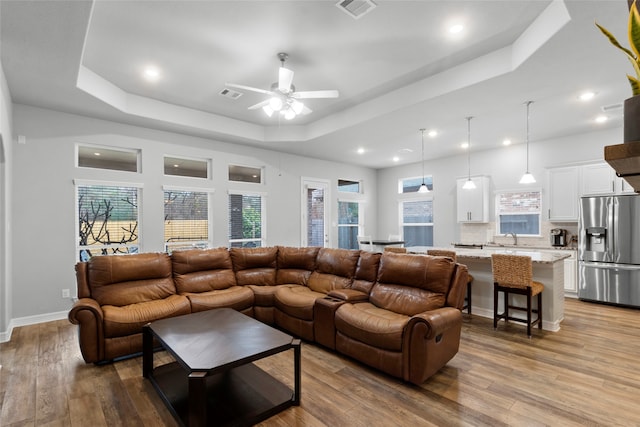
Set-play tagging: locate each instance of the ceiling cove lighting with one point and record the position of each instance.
(423, 187)
(527, 178)
(469, 185)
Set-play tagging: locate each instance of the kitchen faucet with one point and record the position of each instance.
(515, 238)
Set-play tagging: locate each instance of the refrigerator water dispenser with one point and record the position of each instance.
(596, 239)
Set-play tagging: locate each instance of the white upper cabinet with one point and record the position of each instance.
(597, 179)
(563, 193)
(473, 205)
(600, 178)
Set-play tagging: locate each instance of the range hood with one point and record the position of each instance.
(625, 160)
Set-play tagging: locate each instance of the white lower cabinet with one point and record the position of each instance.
(571, 274)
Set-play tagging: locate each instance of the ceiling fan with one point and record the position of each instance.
(283, 96)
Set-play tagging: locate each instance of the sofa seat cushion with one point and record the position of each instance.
(237, 297)
(264, 296)
(372, 325)
(297, 301)
(129, 319)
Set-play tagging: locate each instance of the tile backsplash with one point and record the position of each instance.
(472, 233)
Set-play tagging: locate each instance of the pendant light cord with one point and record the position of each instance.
(527, 130)
(469, 147)
(422, 131)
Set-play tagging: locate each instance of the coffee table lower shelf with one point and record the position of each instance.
(241, 396)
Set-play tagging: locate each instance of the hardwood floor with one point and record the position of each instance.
(587, 374)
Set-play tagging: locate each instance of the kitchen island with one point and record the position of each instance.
(548, 269)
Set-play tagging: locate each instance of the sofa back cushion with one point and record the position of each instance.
(411, 284)
(366, 271)
(295, 265)
(202, 270)
(335, 269)
(128, 279)
(255, 266)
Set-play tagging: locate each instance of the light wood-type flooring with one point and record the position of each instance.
(587, 374)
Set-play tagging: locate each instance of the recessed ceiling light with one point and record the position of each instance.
(96, 154)
(586, 96)
(360, 150)
(151, 73)
(176, 166)
(601, 119)
(507, 141)
(396, 158)
(464, 145)
(456, 28)
(433, 133)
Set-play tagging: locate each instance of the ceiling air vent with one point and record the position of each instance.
(356, 8)
(228, 93)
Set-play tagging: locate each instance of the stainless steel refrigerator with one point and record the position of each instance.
(609, 249)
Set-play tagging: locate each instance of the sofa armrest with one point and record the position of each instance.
(439, 320)
(349, 295)
(431, 339)
(87, 314)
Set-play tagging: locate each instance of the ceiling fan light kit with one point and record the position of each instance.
(283, 95)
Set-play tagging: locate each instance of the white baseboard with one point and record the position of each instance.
(31, 320)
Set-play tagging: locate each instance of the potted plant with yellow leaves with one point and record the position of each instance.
(631, 105)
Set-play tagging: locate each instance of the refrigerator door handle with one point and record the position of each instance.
(610, 266)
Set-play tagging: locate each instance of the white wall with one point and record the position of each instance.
(44, 207)
(6, 138)
(505, 166)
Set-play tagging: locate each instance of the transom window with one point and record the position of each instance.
(411, 185)
(518, 212)
(193, 168)
(90, 156)
(347, 186)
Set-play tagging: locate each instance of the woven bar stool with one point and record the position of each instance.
(452, 255)
(513, 274)
(395, 249)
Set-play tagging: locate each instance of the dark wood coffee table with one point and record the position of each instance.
(213, 381)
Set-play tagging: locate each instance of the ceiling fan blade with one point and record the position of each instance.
(316, 94)
(306, 110)
(285, 78)
(253, 89)
(259, 105)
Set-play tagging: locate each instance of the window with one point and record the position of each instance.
(518, 212)
(411, 185)
(245, 174)
(348, 224)
(346, 186)
(246, 220)
(417, 222)
(193, 168)
(108, 158)
(107, 220)
(186, 219)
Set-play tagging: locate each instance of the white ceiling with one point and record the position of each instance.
(397, 69)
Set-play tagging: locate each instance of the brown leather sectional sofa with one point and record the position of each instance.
(395, 312)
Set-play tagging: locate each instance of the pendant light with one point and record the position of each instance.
(469, 185)
(527, 178)
(423, 187)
